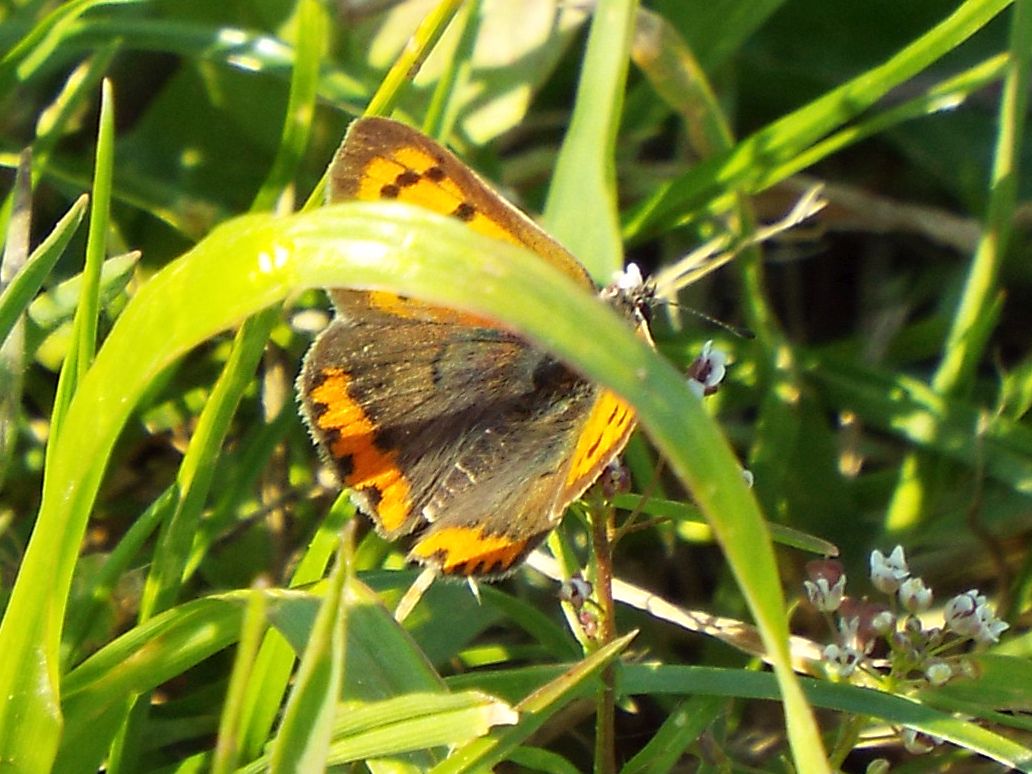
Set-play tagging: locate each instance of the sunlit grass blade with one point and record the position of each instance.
(585, 177)
(313, 28)
(276, 658)
(84, 325)
(98, 692)
(533, 712)
(303, 740)
(228, 746)
(414, 722)
(897, 710)
(412, 57)
(57, 304)
(17, 296)
(253, 262)
(82, 616)
(34, 49)
(198, 466)
(975, 316)
(12, 339)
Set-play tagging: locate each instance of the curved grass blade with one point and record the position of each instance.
(857, 701)
(253, 262)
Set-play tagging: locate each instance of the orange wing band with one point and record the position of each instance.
(469, 551)
(373, 471)
(603, 437)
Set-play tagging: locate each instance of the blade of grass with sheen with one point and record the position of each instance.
(250, 263)
(488, 751)
(228, 742)
(30, 718)
(84, 324)
(198, 466)
(897, 710)
(584, 183)
(276, 658)
(303, 740)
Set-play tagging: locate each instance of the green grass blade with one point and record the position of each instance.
(411, 59)
(414, 722)
(198, 467)
(12, 340)
(228, 746)
(35, 48)
(17, 296)
(584, 182)
(276, 658)
(250, 263)
(790, 135)
(683, 726)
(81, 617)
(313, 28)
(975, 317)
(303, 740)
(534, 711)
(84, 326)
(843, 698)
(442, 111)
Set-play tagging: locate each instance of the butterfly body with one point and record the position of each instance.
(441, 422)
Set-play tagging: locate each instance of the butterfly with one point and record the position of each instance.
(442, 423)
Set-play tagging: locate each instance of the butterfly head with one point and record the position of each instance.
(631, 295)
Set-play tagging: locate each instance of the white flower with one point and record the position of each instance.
(887, 573)
(990, 627)
(839, 661)
(826, 585)
(938, 673)
(917, 743)
(914, 595)
(707, 371)
(961, 613)
(884, 622)
(824, 596)
(991, 631)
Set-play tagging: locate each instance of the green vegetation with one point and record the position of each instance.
(177, 593)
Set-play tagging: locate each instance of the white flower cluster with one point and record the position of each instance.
(967, 615)
(889, 640)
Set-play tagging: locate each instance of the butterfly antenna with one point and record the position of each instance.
(739, 331)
